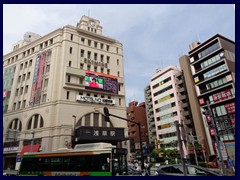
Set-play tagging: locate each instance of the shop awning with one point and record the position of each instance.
(27, 148)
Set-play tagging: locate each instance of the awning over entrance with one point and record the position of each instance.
(27, 148)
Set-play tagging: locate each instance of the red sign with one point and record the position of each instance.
(222, 95)
(201, 101)
(230, 108)
(211, 131)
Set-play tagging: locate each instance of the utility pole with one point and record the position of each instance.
(32, 141)
(180, 140)
(210, 113)
(107, 114)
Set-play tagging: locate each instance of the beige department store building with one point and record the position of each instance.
(47, 92)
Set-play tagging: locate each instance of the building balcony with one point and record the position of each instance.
(75, 71)
(185, 113)
(182, 89)
(182, 97)
(183, 105)
(179, 82)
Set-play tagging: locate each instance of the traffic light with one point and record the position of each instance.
(106, 114)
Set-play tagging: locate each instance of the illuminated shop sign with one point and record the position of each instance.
(101, 82)
(230, 108)
(91, 99)
(221, 96)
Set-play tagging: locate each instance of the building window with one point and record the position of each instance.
(24, 76)
(70, 50)
(46, 44)
(14, 106)
(118, 74)
(88, 67)
(117, 50)
(89, 55)
(51, 41)
(119, 87)
(19, 78)
(81, 66)
(26, 89)
(67, 95)
(16, 94)
(80, 80)
(19, 105)
(26, 63)
(101, 45)
(30, 62)
(21, 91)
(82, 53)
(21, 66)
(46, 83)
(95, 56)
(69, 78)
(95, 68)
(24, 104)
(117, 61)
(107, 47)
(41, 46)
(28, 75)
(102, 70)
(33, 50)
(108, 71)
(95, 44)
(89, 42)
(24, 53)
(102, 57)
(108, 59)
(69, 63)
(71, 37)
(82, 40)
(47, 68)
(44, 99)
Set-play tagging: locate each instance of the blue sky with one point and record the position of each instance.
(153, 35)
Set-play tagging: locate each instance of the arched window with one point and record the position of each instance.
(36, 121)
(94, 120)
(14, 128)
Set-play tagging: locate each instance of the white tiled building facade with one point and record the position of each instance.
(166, 107)
(45, 93)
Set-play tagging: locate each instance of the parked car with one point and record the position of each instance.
(177, 170)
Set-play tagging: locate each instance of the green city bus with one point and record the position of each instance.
(93, 159)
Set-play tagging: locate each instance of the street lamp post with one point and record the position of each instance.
(32, 141)
(180, 140)
(73, 131)
(107, 114)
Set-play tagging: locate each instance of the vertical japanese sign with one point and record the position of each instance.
(37, 79)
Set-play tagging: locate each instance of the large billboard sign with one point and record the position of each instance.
(101, 82)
